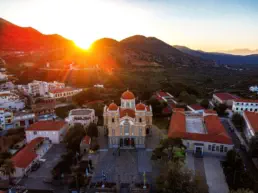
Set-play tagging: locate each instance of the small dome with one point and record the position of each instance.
(112, 107)
(128, 95)
(140, 107)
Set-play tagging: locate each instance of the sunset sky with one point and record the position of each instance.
(209, 25)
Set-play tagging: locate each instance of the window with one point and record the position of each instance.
(113, 120)
(221, 148)
(209, 147)
(251, 109)
(127, 104)
(132, 130)
(140, 132)
(237, 103)
(246, 109)
(140, 120)
(121, 130)
(217, 148)
(35, 132)
(237, 109)
(255, 109)
(241, 109)
(113, 132)
(126, 128)
(225, 149)
(213, 147)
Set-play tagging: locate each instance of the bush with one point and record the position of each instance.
(238, 121)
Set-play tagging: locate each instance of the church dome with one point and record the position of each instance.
(140, 107)
(128, 95)
(112, 107)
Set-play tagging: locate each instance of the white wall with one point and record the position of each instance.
(51, 135)
(240, 107)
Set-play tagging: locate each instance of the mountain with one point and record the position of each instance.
(15, 38)
(244, 51)
(221, 58)
(133, 51)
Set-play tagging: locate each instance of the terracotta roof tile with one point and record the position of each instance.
(225, 96)
(86, 140)
(162, 94)
(246, 100)
(216, 131)
(60, 90)
(140, 107)
(25, 156)
(128, 95)
(112, 107)
(196, 107)
(129, 112)
(47, 126)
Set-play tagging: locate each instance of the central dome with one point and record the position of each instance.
(128, 95)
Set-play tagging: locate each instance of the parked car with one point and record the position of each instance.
(35, 166)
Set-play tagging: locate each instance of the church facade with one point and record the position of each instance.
(127, 124)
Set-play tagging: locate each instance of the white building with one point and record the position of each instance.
(38, 88)
(3, 76)
(7, 86)
(251, 120)
(6, 119)
(26, 157)
(23, 119)
(253, 88)
(41, 88)
(224, 98)
(99, 86)
(64, 92)
(241, 105)
(54, 131)
(9, 100)
(201, 133)
(81, 116)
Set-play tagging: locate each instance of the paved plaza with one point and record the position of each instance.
(209, 167)
(35, 178)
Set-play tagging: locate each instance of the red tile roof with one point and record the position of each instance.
(225, 96)
(252, 118)
(47, 126)
(128, 95)
(60, 90)
(215, 131)
(25, 156)
(140, 107)
(209, 111)
(178, 110)
(246, 100)
(86, 140)
(112, 107)
(196, 107)
(129, 112)
(162, 94)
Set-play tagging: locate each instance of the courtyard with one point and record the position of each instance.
(209, 167)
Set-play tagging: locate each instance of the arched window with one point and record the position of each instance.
(126, 128)
(113, 120)
(127, 104)
(140, 120)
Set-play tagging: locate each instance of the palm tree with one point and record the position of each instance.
(8, 168)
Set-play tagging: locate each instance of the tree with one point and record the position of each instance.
(8, 168)
(187, 98)
(74, 136)
(170, 149)
(253, 146)
(175, 178)
(63, 112)
(92, 130)
(157, 107)
(205, 103)
(221, 109)
(238, 121)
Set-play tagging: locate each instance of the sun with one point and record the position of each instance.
(83, 43)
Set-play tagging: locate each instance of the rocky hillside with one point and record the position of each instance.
(221, 58)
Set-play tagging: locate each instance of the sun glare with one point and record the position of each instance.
(83, 43)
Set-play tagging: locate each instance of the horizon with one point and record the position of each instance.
(207, 25)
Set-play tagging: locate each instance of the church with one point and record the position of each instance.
(127, 124)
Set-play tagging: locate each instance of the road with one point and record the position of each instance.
(243, 153)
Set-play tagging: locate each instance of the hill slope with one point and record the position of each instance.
(15, 38)
(221, 58)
